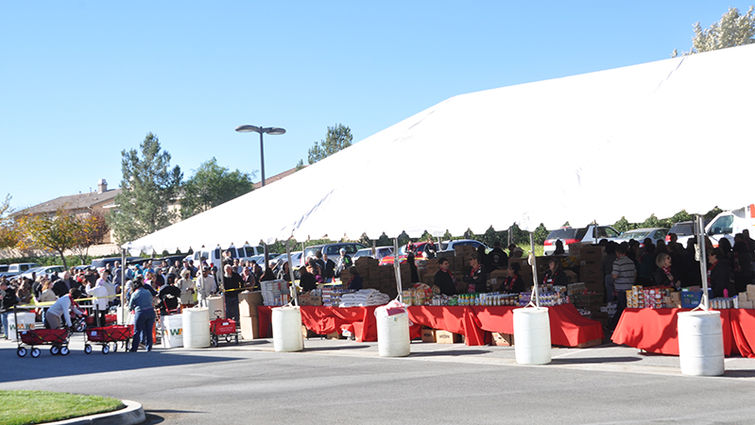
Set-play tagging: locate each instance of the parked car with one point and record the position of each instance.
(451, 245)
(16, 269)
(569, 235)
(380, 252)
(684, 230)
(728, 223)
(47, 271)
(331, 249)
(654, 233)
(419, 248)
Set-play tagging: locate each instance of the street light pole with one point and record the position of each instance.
(262, 130)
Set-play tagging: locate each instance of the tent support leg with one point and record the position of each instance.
(295, 297)
(533, 263)
(397, 268)
(700, 230)
(123, 285)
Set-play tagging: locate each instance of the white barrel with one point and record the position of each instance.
(287, 335)
(124, 317)
(172, 330)
(393, 333)
(532, 336)
(25, 322)
(196, 327)
(701, 343)
(216, 306)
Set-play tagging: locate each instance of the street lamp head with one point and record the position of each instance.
(262, 130)
(248, 129)
(275, 131)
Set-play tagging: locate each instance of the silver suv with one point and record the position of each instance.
(331, 249)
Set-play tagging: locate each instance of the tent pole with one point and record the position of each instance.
(291, 271)
(533, 263)
(397, 268)
(123, 285)
(374, 248)
(700, 230)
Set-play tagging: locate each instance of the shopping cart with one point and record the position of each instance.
(57, 339)
(222, 327)
(107, 334)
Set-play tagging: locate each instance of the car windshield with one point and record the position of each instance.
(563, 234)
(633, 235)
(682, 229)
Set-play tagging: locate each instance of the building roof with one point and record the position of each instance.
(71, 202)
(276, 177)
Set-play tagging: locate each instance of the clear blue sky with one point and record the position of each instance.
(82, 80)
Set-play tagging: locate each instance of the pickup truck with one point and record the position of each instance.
(569, 235)
(18, 268)
(729, 223)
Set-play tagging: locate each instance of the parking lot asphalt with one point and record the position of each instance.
(341, 381)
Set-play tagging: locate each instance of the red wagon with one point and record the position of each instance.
(109, 334)
(57, 339)
(223, 327)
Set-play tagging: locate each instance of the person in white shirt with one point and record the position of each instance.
(60, 312)
(104, 280)
(187, 288)
(206, 286)
(100, 304)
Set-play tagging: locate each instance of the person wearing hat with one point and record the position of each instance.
(205, 286)
(187, 288)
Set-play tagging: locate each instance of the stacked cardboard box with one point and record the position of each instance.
(445, 337)
(248, 303)
(502, 340)
(428, 335)
(747, 299)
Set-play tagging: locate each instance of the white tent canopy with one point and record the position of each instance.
(652, 138)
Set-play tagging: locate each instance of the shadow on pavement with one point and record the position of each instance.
(78, 363)
(740, 373)
(158, 416)
(586, 360)
(448, 353)
(338, 347)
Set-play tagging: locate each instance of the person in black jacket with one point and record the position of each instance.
(513, 282)
(329, 272)
(719, 273)
(307, 278)
(664, 275)
(498, 257)
(443, 278)
(231, 285)
(477, 279)
(355, 283)
(170, 296)
(555, 274)
(7, 300)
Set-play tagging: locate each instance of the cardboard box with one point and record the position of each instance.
(445, 337)
(428, 335)
(250, 328)
(751, 292)
(502, 340)
(248, 302)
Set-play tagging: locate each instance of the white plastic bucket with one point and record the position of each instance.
(25, 322)
(393, 332)
(287, 334)
(701, 343)
(532, 336)
(216, 306)
(196, 327)
(172, 333)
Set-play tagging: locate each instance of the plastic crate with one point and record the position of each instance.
(691, 299)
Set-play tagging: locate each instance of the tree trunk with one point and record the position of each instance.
(63, 257)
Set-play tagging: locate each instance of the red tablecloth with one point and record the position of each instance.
(654, 330)
(568, 327)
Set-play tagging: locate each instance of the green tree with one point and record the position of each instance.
(57, 232)
(90, 230)
(9, 237)
(338, 137)
(712, 213)
(623, 225)
(212, 185)
(733, 29)
(148, 186)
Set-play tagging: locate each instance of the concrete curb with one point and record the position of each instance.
(132, 414)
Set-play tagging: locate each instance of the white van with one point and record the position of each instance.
(729, 223)
(215, 256)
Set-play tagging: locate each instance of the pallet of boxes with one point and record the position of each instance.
(248, 303)
(590, 259)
